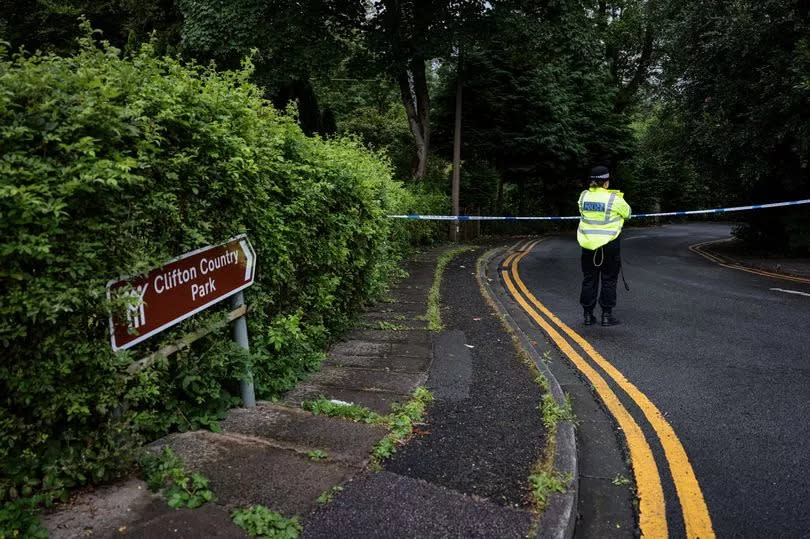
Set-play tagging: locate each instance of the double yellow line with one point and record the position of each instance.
(698, 248)
(652, 508)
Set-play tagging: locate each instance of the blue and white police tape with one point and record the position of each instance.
(569, 217)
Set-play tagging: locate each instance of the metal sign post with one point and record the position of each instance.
(240, 335)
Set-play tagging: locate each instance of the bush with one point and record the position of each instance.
(110, 166)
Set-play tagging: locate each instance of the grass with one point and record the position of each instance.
(389, 326)
(434, 318)
(544, 484)
(542, 381)
(400, 421)
(353, 412)
(620, 480)
(317, 454)
(400, 424)
(554, 413)
(520, 351)
(329, 495)
(543, 480)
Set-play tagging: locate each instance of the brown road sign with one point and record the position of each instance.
(180, 288)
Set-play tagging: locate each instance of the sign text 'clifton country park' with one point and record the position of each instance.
(180, 288)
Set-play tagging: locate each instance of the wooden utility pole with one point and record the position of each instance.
(454, 230)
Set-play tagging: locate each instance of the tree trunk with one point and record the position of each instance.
(628, 92)
(456, 187)
(499, 199)
(414, 90)
(301, 91)
(521, 195)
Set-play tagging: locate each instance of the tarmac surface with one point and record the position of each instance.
(723, 354)
(496, 411)
(466, 473)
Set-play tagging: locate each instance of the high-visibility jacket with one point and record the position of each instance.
(602, 214)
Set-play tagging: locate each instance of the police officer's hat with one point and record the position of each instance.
(599, 174)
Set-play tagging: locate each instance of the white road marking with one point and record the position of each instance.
(791, 292)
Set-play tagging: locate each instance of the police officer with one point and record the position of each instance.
(602, 214)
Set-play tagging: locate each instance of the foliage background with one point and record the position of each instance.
(725, 120)
(110, 166)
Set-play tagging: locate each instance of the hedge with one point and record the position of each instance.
(110, 166)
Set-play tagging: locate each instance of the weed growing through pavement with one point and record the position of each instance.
(520, 349)
(164, 471)
(433, 315)
(400, 421)
(317, 454)
(553, 413)
(545, 484)
(543, 480)
(620, 480)
(329, 495)
(400, 424)
(389, 326)
(354, 412)
(259, 521)
(542, 381)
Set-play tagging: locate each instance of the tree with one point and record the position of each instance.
(290, 43)
(737, 72)
(660, 173)
(54, 25)
(402, 38)
(631, 32)
(539, 105)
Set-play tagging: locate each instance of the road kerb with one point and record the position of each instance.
(559, 517)
(652, 509)
(695, 512)
(730, 263)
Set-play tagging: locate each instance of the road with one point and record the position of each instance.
(723, 357)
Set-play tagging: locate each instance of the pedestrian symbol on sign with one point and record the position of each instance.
(136, 316)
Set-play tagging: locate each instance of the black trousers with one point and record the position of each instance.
(607, 272)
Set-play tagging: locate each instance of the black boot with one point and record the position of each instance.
(589, 318)
(608, 319)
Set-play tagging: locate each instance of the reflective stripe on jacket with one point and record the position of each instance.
(602, 212)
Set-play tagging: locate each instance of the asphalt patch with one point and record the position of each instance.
(484, 445)
(397, 506)
(452, 367)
